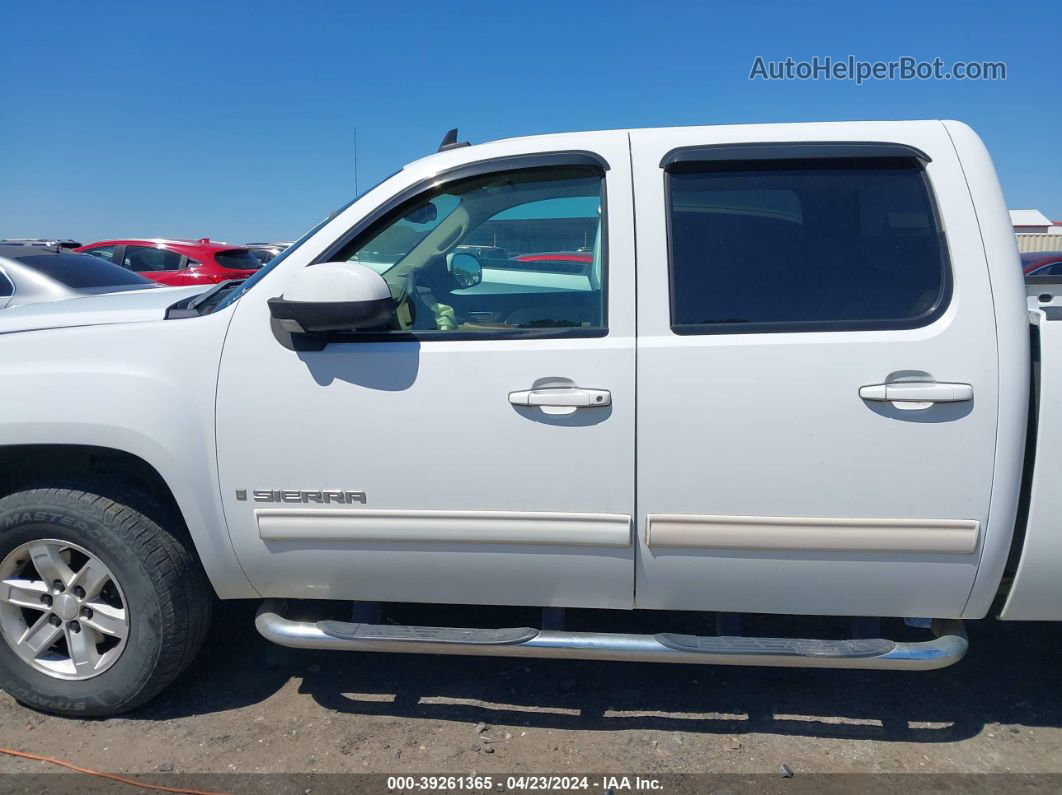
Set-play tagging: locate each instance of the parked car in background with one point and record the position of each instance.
(33, 274)
(567, 261)
(561, 270)
(1042, 263)
(264, 252)
(40, 242)
(178, 262)
(483, 252)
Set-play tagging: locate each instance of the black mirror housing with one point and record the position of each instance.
(310, 317)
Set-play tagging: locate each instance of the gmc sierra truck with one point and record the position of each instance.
(772, 369)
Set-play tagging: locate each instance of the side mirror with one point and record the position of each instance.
(466, 270)
(332, 296)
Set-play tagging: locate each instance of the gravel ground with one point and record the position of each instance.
(249, 706)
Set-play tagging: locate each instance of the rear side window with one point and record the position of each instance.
(804, 245)
(238, 259)
(81, 271)
(144, 259)
(7, 289)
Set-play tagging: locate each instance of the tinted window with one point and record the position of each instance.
(149, 258)
(232, 296)
(82, 271)
(239, 259)
(817, 244)
(1034, 257)
(103, 252)
(263, 255)
(495, 227)
(6, 288)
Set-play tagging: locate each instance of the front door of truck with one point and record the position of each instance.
(817, 377)
(481, 450)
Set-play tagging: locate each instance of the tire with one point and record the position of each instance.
(142, 628)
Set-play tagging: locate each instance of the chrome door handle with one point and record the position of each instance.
(917, 394)
(562, 401)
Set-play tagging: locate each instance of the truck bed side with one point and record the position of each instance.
(1036, 592)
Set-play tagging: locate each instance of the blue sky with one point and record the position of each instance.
(236, 121)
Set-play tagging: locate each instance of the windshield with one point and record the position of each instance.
(393, 243)
(236, 294)
(83, 271)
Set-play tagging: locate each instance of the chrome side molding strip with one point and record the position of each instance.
(696, 531)
(948, 647)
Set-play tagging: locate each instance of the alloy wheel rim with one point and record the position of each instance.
(62, 610)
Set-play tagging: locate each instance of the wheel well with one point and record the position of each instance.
(123, 476)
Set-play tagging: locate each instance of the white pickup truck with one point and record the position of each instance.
(772, 369)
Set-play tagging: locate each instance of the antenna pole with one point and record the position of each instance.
(355, 160)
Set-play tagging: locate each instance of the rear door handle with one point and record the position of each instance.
(561, 401)
(917, 394)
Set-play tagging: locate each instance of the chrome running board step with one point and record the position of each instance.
(948, 646)
(408, 634)
(799, 647)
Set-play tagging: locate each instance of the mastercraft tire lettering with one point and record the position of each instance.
(100, 606)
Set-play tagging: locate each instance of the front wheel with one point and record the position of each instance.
(100, 607)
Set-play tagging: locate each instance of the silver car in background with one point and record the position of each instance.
(40, 242)
(34, 274)
(266, 251)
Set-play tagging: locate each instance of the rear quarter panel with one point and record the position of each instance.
(1012, 330)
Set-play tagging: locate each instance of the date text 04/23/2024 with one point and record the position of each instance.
(477, 783)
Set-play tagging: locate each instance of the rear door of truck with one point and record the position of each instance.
(817, 371)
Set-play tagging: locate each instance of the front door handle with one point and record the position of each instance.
(561, 401)
(916, 394)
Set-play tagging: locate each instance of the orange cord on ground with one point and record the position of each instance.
(88, 771)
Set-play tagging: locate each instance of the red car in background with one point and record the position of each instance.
(560, 256)
(559, 261)
(178, 262)
(1041, 263)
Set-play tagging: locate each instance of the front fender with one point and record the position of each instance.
(147, 389)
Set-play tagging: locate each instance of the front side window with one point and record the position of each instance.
(148, 258)
(803, 245)
(103, 252)
(502, 254)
